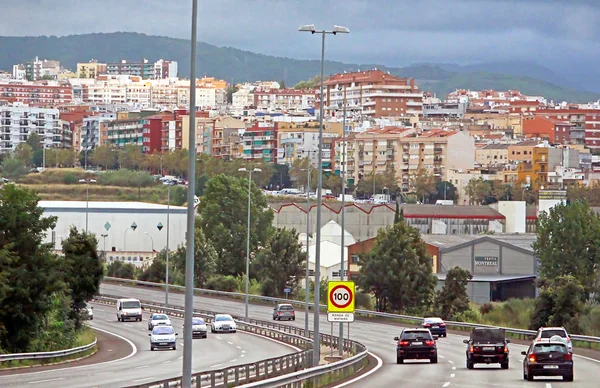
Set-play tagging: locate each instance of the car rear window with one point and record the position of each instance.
(433, 320)
(547, 348)
(489, 335)
(552, 333)
(159, 317)
(413, 335)
(286, 308)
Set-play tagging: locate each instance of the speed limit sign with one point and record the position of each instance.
(340, 297)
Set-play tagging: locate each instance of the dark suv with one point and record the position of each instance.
(487, 346)
(416, 344)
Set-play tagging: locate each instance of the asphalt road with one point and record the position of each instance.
(450, 371)
(215, 352)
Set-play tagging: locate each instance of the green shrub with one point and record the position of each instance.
(486, 308)
(364, 301)
(471, 315)
(70, 179)
(222, 283)
(126, 178)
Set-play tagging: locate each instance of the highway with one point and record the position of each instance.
(449, 372)
(215, 352)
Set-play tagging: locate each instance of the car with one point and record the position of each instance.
(88, 312)
(163, 337)
(223, 323)
(416, 344)
(157, 319)
(545, 334)
(199, 329)
(284, 311)
(487, 346)
(435, 325)
(129, 309)
(548, 359)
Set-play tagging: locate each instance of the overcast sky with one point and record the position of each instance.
(391, 32)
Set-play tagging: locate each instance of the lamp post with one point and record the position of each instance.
(151, 239)
(243, 169)
(87, 199)
(104, 236)
(159, 226)
(343, 176)
(306, 291)
(132, 227)
(316, 345)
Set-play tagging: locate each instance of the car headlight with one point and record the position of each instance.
(153, 339)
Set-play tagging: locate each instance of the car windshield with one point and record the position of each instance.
(223, 318)
(159, 317)
(416, 335)
(286, 308)
(131, 305)
(163, 330)
(488, 335)
(197, 321)
(433, 320)
(552, 333)
(548, 348)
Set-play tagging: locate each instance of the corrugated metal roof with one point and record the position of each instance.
(491, 278)
(453, 211)
(105, 205)
(447, 241)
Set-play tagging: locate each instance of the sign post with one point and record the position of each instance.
(286, 291)
(340, 301)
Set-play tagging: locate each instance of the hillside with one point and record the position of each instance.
(237, 65)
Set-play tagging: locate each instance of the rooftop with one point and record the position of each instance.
(496, 147)
(93, 205)
(519, 240)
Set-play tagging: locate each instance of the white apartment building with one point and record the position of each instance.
(17, 122)
(91, 129)
(241, 99)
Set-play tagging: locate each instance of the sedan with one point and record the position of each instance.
(548, 359)
(435, 325)
(199, 329)
(163, 337)
(157, 319)
(223, 323)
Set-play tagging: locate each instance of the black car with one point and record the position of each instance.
(487, 346)
(435, 325)
(548, 359)
(416, 344)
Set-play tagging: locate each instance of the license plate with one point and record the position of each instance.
(550, 366)
(163, 343)
(487, 348)
(417, 343)
(435, 326)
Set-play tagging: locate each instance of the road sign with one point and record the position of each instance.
(340, 297)
(287, 290)
(340, 317)
(107, 226)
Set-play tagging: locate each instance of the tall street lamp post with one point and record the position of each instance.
(343, 176)
(104, 236)
(243, 169)
(87, 199)
(132, 227)
(167, 253)
(151, 239)
(316, 345)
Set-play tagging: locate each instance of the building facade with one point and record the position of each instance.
(260, 142)
(90, 69)
(36, 93)
(18, 122)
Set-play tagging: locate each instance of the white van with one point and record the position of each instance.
(129, 309)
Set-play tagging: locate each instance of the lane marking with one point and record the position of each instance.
(166, 362)
(46, 381)
(146, 379)
(230, 343)
(239, 347)
(142, 367)
(441, 357)
(377, 367)
(446, 384)
(452, 375)
(133, 353)
(219, 338)
(180, 358)
(100, 310)
(548, 385)
(242, 355)
(450, 362)
(453, 368)
(234, 360)
(215, 366)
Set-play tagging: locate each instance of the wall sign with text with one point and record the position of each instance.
(486, 261)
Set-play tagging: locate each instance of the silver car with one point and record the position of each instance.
(199, 329)
(158, 319)
(284, 311)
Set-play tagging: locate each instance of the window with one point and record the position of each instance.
(354, 259)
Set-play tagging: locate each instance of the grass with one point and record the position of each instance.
(77, 192)
(85, 337)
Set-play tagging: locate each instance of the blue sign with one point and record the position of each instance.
(286, 290)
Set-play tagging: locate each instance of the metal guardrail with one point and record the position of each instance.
(274, 369)
(520, 333)
(47, 355)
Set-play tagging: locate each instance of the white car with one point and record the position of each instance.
(158, 319)
(223, 323)
(89, 311)
(545, 334)
(163, 337)
(199, 329)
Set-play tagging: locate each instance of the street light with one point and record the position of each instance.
(306, 291)
(104, 236)
(87, 199)
(159, 226)
(132, 227)
(151, 239)
(243, 169)
(316, 346)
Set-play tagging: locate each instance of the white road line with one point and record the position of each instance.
(453, 368)
(452, 375)
(450, 362)
(133, 353)
(180, 358)
(442, 357)
(166, 362)
(446, 384)
(46, 381)
(215, 366)
(234, 360)
(243, 351)
(100, 310)
(230, 343)
(219, 338)
(146, 379)
(142, 367)
(239, 347)
(128, 325)
(242, 355)
(548, 385)
(379, 365)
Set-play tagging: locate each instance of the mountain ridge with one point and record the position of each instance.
(233, 64)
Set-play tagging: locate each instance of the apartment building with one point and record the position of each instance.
(227, 138)
(435, 151)
(172, 130)
(126, 132)
(243, 98)
(17, 122)
(206, 131)
(152, 139)
(286, 99)
(521, 152)
(91, 69)
(491, 98)
(551, 129)
(373, 93)
(143, 69)
(301, 140)
(39, 69)
(585, 128)
(535, 172)
(43, 93)
(260, 142)
(445, 110)
(492, 155)
(165, 69)
(94, 130)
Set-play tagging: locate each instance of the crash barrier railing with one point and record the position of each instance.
(584, 340)
(278, 367)
(5, 358)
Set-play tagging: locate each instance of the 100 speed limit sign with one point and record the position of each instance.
(340, 297)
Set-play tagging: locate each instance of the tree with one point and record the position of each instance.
(131, 156)
(281, 264)
(478, 190)
(205, 257)
(65, 157)
(13, 168)
(282, 84)
(29, 272)
(423, 183)
(223, 212)
(452, 299)
(83, 268)
(399, 215)
(105, 156)
(444, 190)
(34, 141)
(365, 187)
(309, 84)
(121, 270)
(560, 303)
(281, 177)
(299, 173)
(567, 244)
(24, 152)
(398, 270)
(334, 183)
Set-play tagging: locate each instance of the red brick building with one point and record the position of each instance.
(36, 94)
(374, 93)
(553, 130)
(260, 142)
(585, 127)
(152, 140)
